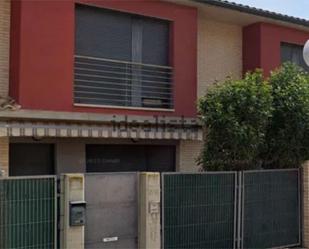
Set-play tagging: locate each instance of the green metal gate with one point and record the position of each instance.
(249, 209)
(28, 212)
(199, 210)
(271, 208)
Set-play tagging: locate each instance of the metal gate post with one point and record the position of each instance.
(242, 203)
(239, 216)
(235, 211)
(3, 201)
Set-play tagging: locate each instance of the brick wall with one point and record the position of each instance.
(219, 52)
(4, 155)
(4, 46)
(187, 153)
(5, 7)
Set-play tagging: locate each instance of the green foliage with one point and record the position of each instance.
(235, 114)
(287, 143)
(256, 123)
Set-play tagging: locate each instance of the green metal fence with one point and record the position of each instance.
(271, 208)
(28, 213)
(249, 209)
(199, 210)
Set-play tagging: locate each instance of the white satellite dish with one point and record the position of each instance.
(306, 53)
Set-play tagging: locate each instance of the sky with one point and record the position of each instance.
(297, 8)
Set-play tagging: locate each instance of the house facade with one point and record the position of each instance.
(100, 86)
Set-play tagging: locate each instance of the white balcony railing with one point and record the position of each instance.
(99, 81)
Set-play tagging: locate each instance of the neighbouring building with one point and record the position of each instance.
(99, 86)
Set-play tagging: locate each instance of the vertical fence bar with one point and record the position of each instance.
(1, 215)
(242, 208)
(299, 176)
(239, 217)
(235, 211)
(162, 211)
(55, 213)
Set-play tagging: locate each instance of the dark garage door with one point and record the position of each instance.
(31, 159)
(124, 158)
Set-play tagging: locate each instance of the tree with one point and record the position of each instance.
(287, 139)
(257, 123)
(235, 114)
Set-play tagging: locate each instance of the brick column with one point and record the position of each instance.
(4, 156)
(305, 201)
(187, 153)
(5, 10)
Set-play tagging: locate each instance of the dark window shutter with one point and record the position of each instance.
(293, 53)
(103, 33)
(155, 42)
(286, 53)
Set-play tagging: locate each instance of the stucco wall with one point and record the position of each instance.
(4, 46)
(219, 51)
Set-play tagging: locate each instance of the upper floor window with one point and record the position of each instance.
(121, 59)
(293, 53)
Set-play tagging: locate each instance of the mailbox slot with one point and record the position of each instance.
(77, 213)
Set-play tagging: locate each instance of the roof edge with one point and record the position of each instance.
(255, 11)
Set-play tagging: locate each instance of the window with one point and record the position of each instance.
(121, 59)
(293, 53)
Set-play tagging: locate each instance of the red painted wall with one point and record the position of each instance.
(42, 53)
(261, 45)
(251, 47)
(14, 50)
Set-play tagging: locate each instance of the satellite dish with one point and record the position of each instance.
(306, 53)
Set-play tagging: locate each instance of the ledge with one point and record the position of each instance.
(40, 115)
